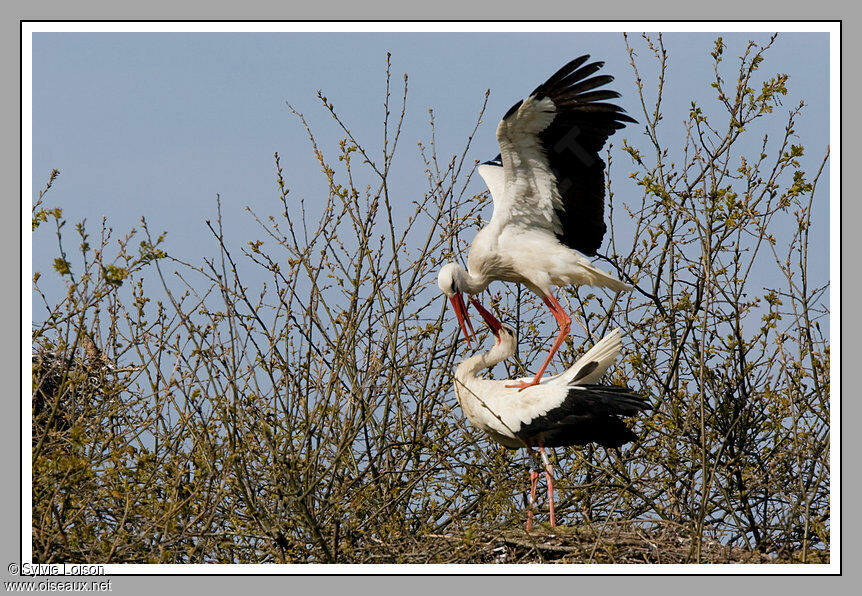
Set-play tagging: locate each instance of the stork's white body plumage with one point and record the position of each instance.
(522, 243)
(533, 256)
(504, 412)
(547, 185)
(565, 409)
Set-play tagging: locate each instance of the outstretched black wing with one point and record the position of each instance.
(569, 134)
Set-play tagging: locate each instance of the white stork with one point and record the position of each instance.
(565, 409)
(548, 189)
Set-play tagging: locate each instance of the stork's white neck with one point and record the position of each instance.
(472, 366)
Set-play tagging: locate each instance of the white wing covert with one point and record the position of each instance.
(553, 176)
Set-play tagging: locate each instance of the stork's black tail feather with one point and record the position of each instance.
(589, 414)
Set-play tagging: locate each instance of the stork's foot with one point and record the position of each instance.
(521, 385)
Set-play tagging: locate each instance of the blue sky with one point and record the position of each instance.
(156, 124)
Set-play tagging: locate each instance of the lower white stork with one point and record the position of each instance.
(548, 187)
(565, 409)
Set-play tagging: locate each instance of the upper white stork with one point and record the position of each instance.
(548, 189)
(565, 409)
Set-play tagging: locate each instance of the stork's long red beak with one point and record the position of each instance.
(463, 318)
(490, 319)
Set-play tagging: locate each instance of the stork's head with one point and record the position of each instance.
(451, 281)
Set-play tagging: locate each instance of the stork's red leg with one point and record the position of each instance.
(549, 476)
(565, 323)
(534, 480)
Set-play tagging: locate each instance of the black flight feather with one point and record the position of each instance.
(572, 143)
(589, 414)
